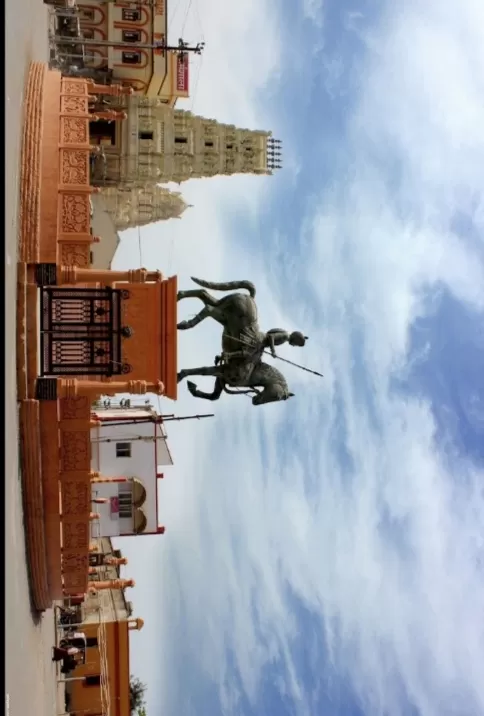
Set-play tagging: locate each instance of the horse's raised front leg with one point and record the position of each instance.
(200, 293)
(215, 395)
(208, 311)
(192, 322)
(210, 370)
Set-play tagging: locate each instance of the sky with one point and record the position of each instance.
(325, 556)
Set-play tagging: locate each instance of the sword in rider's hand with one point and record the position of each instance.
(296, 365)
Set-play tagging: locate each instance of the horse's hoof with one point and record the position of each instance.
(182, 325)
(180, 376)
(191, 387)
(179, 295)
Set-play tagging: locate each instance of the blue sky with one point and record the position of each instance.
(325, 556)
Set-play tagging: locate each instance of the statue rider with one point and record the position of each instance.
(254, 344)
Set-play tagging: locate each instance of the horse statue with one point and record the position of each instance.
(243, 344)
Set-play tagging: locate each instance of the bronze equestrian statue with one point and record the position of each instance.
(243, 344)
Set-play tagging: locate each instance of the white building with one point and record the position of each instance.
(130, 444)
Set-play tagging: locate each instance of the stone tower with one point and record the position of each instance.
(130, 207)
(158, 144)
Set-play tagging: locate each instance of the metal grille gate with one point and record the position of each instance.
(80, 331)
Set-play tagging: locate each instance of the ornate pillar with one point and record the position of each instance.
(73, 275)
(109, 114)
(115, 561)
(135, 624)
(73, 388)
(112, 90)
(111, 584)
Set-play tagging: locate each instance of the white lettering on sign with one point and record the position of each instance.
(182, 74)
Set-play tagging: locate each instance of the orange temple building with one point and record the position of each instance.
(81, 333)
(100, 685)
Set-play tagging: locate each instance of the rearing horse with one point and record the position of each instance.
(237, 313)
(243, 343)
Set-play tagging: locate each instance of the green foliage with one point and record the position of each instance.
(137, 696)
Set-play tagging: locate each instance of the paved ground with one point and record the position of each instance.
(30, 676)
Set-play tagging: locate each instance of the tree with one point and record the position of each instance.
(137, 696)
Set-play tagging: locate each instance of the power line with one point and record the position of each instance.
(186, 15)
(197, 80)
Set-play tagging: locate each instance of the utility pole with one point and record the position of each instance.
(181, 49)
(160, 419)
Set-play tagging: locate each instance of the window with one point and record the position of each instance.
(209, 144)
(94, 680)
(103, 131)
(131, 58)
(123, 449)
(230, 146)
(131, 36)
(145, 135)
(91, 641)
(131, 16)
(86, 14)
(180, 140)
(91, 257)
(88, 33)
(125, 505)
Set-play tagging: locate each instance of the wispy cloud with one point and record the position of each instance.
(343, 503)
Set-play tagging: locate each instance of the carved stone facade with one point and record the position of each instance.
(158, 144)
(140, 206)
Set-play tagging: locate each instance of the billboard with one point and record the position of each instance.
(182, 73)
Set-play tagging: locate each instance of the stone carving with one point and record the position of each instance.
(74, 254)
(74, 87)
(73, 562)
(76, 497)
(75, 408)
(74, 105)
(75, 450)
(76, 536)
(75, 581)
(75, 215)
(74, 130)
(75, 167)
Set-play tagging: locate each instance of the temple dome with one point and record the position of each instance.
(139, 492)
(139, 521)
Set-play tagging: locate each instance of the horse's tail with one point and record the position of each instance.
(227, 285)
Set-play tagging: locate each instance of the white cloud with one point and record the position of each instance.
(313, 10)
(398, 615)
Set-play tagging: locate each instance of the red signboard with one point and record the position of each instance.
(182, 73)
(114, 505)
